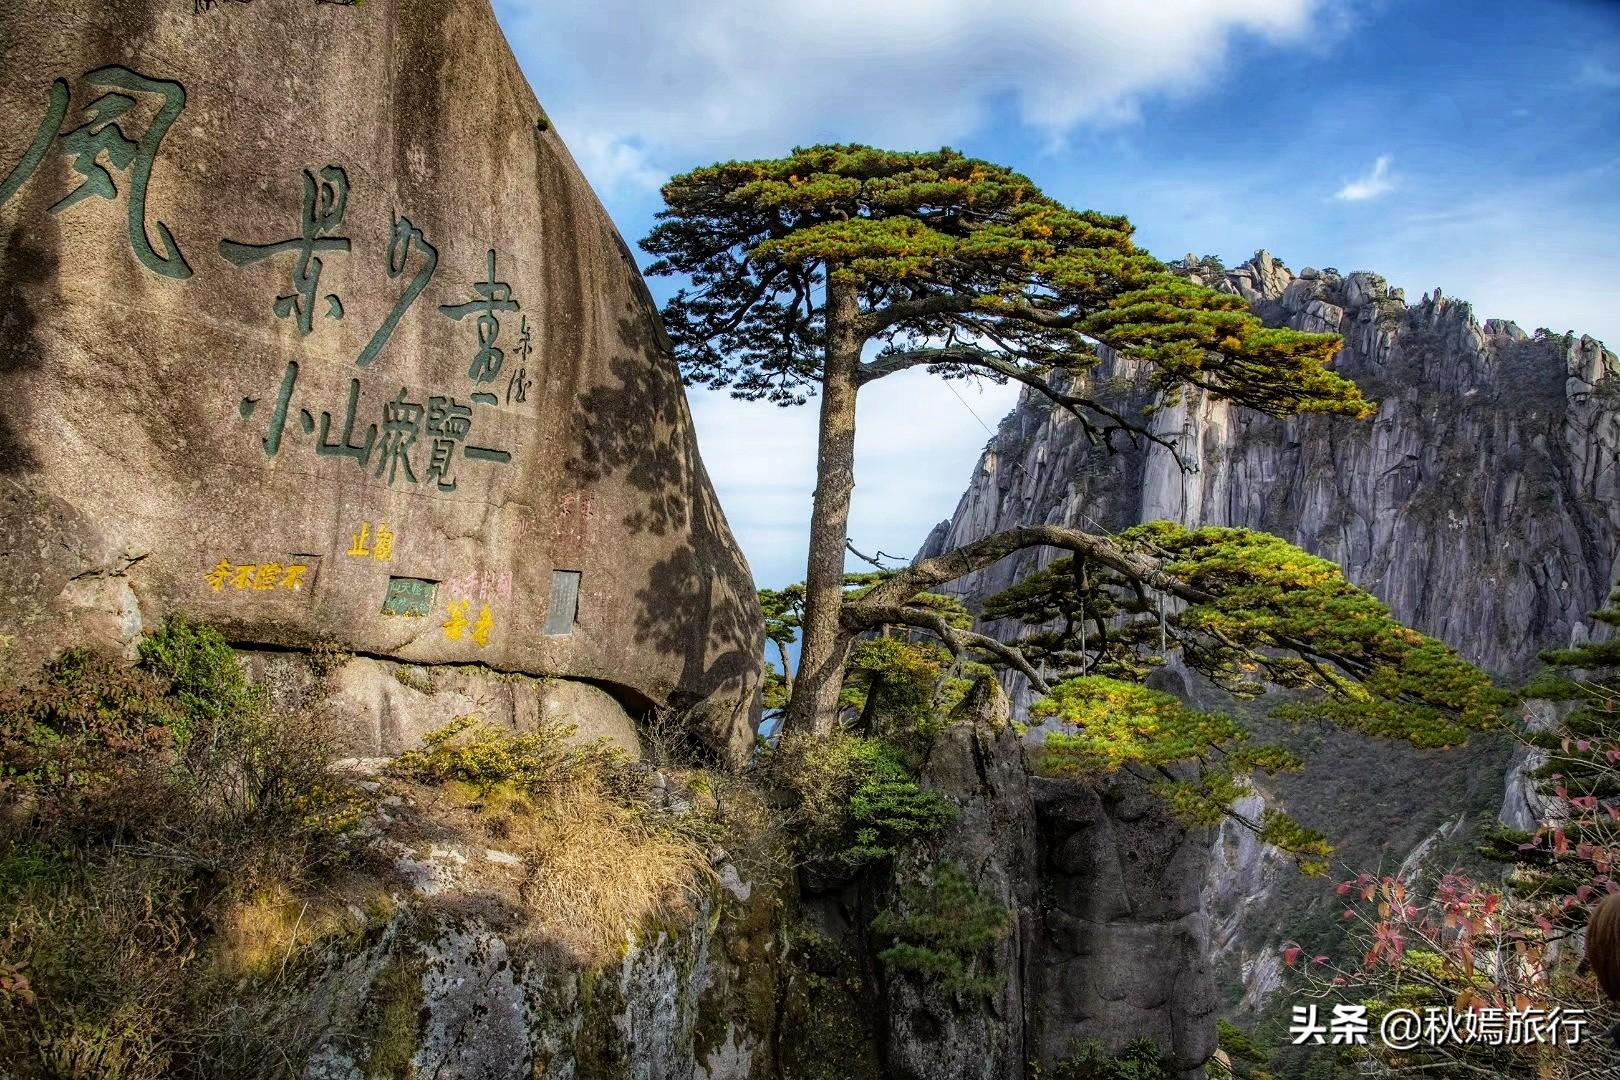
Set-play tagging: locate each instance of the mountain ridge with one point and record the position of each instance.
(1481, 502)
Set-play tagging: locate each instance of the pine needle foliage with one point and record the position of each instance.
(941, 931)
(964, 256)
(856, 799)
(1268, 615)
(784, 617)
(1589, 655)
(1109, 725)
(1253, 612)
(1119, 723)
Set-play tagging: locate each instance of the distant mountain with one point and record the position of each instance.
(1482, 503)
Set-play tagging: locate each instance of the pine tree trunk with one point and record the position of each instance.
(787, 668)
(814, 707)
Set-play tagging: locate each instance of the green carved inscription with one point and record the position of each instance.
(411, 597)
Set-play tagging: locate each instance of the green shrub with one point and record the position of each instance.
(144, 805)
(896, 680)
(1242, 1051)
(905, 690)
(179, 747)
(78, 729)
(1140, 1060)
(856, 798)
(887, 813)
(202, 676)
(472, 752)
(941, 930)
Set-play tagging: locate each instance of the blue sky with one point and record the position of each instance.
(1473, 146)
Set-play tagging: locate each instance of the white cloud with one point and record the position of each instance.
(1375, 183)
(614, 164)
(639, 87)
(1538, 254)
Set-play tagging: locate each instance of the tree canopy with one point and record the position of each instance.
(838, 265)
(1248, 610)
(959, 265)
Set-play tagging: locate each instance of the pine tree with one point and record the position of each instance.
(799, 266)
(1250, 612)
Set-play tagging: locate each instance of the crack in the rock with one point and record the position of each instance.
(304, 650)
(129, 561)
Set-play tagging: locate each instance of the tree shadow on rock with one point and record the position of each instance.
(697, 604)
(19, 346)
(701, 610)
(637, 430)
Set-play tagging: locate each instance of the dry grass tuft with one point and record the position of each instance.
(261, 935)
(604, 854)
(598, 870)
(257, 934)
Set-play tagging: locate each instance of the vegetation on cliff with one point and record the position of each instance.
(795, 268)
(1249, 611)
(940, 932)
(193, 883)
(162, 828)
(1478, 945)
(600, 854)
(176, 853)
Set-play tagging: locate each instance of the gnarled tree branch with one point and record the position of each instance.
(1083, 409)
(865, 616)
(1102, 550)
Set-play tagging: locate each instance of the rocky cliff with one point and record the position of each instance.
(1482, 502)
(1106, 940)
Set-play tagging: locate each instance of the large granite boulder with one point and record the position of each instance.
(382, 707)
(311, 328)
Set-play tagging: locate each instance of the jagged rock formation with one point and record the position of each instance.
(1523, 807)
(312, 328)
(1482, 503)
